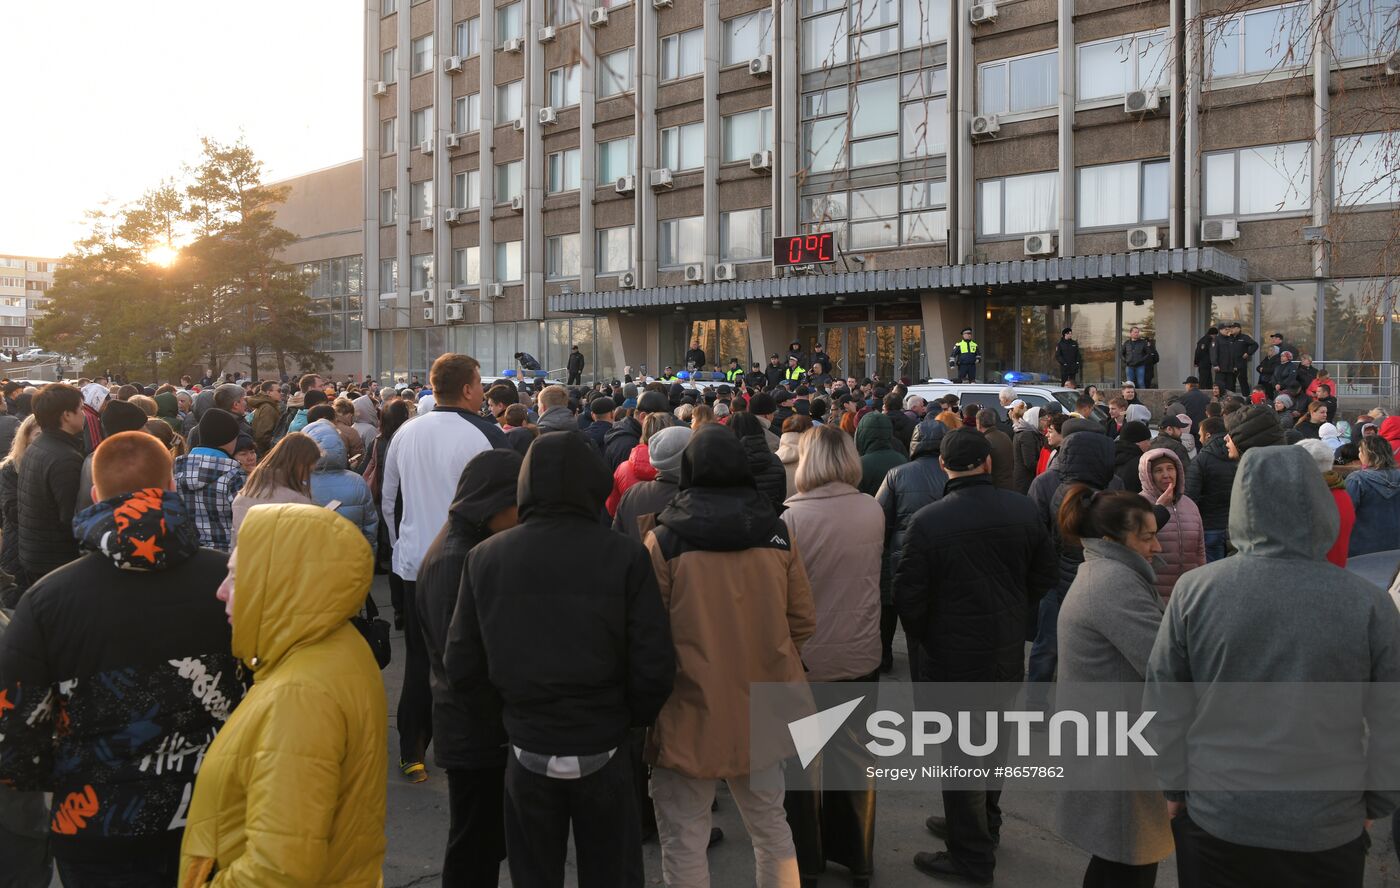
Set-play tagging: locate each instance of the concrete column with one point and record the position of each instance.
(442, 161)
(1191, 126)
(372, 150)
(786, 83)
(944, 317)
(1176, 331)
(713, 126)
(403, 135)
(1066, 136)
(1176, 103)
(634, 342)
(486, 153)
(963, 197)
(588, 161)
(532, 166)
(646, 57)
(1322, 141)
(770, 330)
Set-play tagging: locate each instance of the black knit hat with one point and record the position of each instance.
(122, 416)
(762, 404)
(216, 428)
(1254, 426)
(1137, 432)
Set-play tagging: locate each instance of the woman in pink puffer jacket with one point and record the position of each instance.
(1183, 538)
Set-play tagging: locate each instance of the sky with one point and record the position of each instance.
(103, 100)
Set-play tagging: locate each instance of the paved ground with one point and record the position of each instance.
(1031, 855)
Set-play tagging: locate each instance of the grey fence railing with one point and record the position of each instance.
(1366, 382)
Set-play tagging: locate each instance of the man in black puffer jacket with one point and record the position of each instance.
(467, 745)
(48, 483)
(622, 437)
(1209, 480)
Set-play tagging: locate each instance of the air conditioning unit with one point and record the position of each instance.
(429, 296)
(598, 17)
(627, 280)
(518, 124)
(517, 203)
(761, 65)
(421, 295)
(548, 115)
(662, 4)
(452, 65)
(455, 215)
(1218, 230)
(426, 146)
(456, 312)
(725, 271)
(1040, 244)
(695, 274)
(381, 88)
(498, 291)
(546, 34)
(984, 126)
(1140, 101)
(514, 44)
(454, 141)
(385, 297)
(983, 13)
(760, 161)
(1392, 64)
(428, 313)
(459, 294)
(426, 223)
(661, 178)
(625, 185)
(1147, 238)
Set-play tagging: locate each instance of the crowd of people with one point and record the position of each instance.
(191, 668)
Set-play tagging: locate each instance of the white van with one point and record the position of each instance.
(987, 395)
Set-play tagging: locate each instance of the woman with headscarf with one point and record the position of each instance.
(366, 420)
(1183, 538)
(94, 396)
(1026, 443)
(1330, 435)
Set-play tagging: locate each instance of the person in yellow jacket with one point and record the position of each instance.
(291, 792)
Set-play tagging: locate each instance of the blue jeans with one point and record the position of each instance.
(1138, 376)
(1215, 544)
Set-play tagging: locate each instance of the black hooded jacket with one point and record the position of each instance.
(48, 492)
(1083, 459)
(574, 655)
(1209, 481)
(462, 739)
(619, 440)
(910, 487)
(718, 508)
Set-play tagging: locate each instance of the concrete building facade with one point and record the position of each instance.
(24, 285)
(613, 174)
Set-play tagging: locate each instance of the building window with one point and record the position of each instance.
(466, 267)
(747, 37)
(388, 136)
(1111, 68)
(468, 37)
(824, 43)
(681, 242)
(876, 30)
(422, 49)
(466, 113)
(509, 23)
(421, 125)
(508, 261)
(466, 189)
(509, 102)
(614, 160)
(925, 212)
(746, 235)
(1261, 181)
(1018, 204)
(1364, 29)
(420, 199)
(389, 65)
(508, 182)
(388, 7)
(747, 133)
(563, 12)
(388, 205)
(334, 288)
(683, 147)
(683, 54)
(875, 122)
(874, 219)
(615, 73)
(420, 268)
(388, 275)
(561, 255)
(615, 249)
(565, 86)
(925, 127)
(1013, 86)
(1120, 194)
(1367, 171)
(1259, 41)
(564, 171)
(925, 21)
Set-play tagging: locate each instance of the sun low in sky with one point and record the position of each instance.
(111, 98)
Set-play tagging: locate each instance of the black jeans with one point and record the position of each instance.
(476, 838)
(974, 817)
(575, 378)
(415, 714)
(602, 811)
(1204, 861)
(1110, 874)
(143, 872)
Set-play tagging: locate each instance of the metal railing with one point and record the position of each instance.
(1372, 383)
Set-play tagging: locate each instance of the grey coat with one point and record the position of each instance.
(1107, 626)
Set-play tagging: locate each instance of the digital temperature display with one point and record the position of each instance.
(804, 249)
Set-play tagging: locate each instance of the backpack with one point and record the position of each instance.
(284, 422)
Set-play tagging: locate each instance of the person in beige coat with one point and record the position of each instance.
(283, 476)
(793, 428)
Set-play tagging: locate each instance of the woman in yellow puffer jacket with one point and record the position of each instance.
(291, 792)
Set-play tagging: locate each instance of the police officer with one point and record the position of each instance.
(966, 356)
(756, 379)
(795, 372)
(774, 371)
(735, 371)
(1068, 358)
(668, 374)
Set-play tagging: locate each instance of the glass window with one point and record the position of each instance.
(874, 218)
(1360, 28)
(1353, 321)
(564, 171)
(563, 12)
(421, 125)
(1291, 308)
(1011, 86)
(388, 275)
(1156, 191)
(873, 151)
(873, 107)
(1367, 170)
(508, 182)
(1018, 204)
(1259, 41)
(1258, 181)
(615, 73)
(420, 269)
(925, 127)
(828, 101)
(615, 249)
(561, 254)
(682, 55)
(614, 160)
(747, 37)
(509, 102)
(747, 133)
(1114, 67)
(508, 261)
(422, 50)
(466, 113)
(509, 22)
(466, 189)
(746, 235)
(824, 41)
(825, 144)
(388, 206)
(823, 207)
(388, 6)
(420, 199)
(389, 65)
(925, 217)
(683, 147)
(468, 37)
(681, 241)
(565, 86)
(466, 267)
(1122, 194)
(925, 21)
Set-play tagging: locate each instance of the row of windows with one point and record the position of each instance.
(876, 121)
(334, 286)
(838, 32)
(34, 265)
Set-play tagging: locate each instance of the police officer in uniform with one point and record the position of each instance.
(966, 356)
(794, 373)
(735, 372)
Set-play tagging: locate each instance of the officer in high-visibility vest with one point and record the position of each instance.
(794, 372)
(735, 372)
(668, 374)
(966, 356)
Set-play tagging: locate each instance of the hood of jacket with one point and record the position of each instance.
(167, 406)
(718, 507)
(1145, 473)
(558, 419)
(927, 439)
(301, 572)
(488, 484)
(563, 475)
(1086, 458)
(333, 456)
(629, 427)
(144, 530)
(365, 410)
(640, 461)
(787, 447)
(1108, 550)
(1384, 483)
(875, 432)
(1277, 491)
(1390, 430)
(830, 490)
(256, 401)
(202, 402)
(1029, 421)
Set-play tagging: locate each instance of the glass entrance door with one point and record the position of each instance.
(847, 345)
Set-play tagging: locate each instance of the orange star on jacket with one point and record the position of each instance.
(145, 548)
